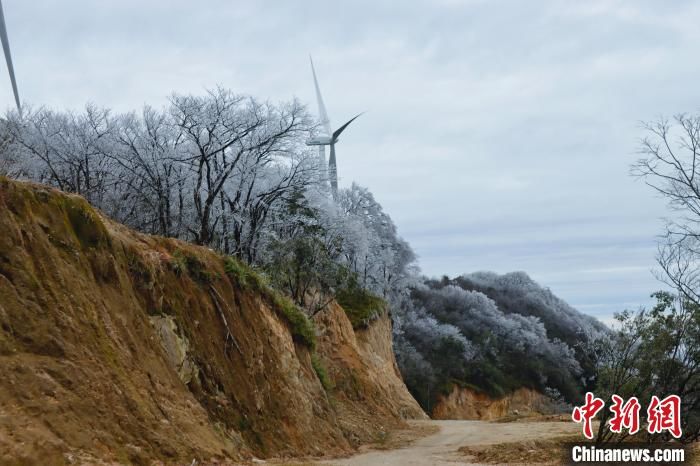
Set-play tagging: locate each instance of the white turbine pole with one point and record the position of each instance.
(322, 167)
(8, 57)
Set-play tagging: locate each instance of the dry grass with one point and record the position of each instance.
(553, 451)
(401, 438)
(550, 451)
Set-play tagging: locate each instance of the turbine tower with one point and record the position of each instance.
(327, 137)
(8, 57)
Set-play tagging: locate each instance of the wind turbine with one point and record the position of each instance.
(327, 137)
(8, 57)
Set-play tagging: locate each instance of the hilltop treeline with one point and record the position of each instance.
(225, 171)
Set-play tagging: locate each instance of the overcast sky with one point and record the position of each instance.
(498, 134)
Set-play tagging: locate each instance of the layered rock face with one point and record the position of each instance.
(120, 347)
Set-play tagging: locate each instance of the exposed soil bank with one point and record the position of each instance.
(467, 404)
(123, 347)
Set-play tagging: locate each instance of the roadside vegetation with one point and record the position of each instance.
(656, 351)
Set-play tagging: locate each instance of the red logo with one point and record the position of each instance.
(662, 415)
(587, 412)
(625, 415)
(665, 415)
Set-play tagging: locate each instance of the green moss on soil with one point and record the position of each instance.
(321, 372)
(86, 224)
(187, 263)
(244, 276)
(303, 330)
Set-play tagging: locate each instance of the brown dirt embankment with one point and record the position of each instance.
(467, 404)
(126, 348)
(366, 386)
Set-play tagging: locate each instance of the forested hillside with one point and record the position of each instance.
(495, 333)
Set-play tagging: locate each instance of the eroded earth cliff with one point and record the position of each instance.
(121, 347)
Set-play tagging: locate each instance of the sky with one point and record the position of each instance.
(497, 134)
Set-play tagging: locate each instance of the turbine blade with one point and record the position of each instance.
(323, 115)
(8, 57)
(337, 132)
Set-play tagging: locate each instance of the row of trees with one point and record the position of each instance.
(232, 173)
(653, 352)
(206, 169)
(225, 171)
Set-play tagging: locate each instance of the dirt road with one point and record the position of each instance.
(441, 448)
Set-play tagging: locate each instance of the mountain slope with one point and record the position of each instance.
(492, 334)
(119, 346)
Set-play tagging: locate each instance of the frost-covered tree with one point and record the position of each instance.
(151, 191)
(507, 349)
(670, 165)
(65, 149)
(206, 168)
(383, 262)
(226, 171)
(241, 155)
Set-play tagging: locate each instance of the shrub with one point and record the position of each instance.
(306, 269)
(86, 224)
(244, 276)
(321, 372)
(184, 262)
(244, 424)
(302, 328)
(360, 305)
(178, 263)
(139, 270)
